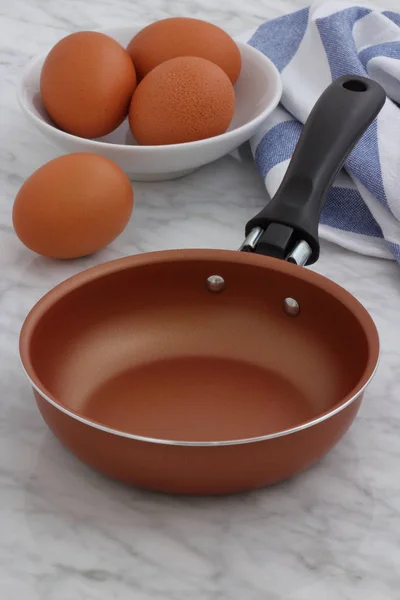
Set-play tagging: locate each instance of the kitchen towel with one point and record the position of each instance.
(312, 47)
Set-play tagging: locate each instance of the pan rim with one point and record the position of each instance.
(120, 264)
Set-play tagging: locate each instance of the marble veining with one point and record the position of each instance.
(68, 533)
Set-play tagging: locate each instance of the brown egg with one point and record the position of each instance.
(72, 206)
(181, 36)
(182, 100)
(86, 84)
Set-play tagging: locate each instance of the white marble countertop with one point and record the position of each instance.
(67, 533)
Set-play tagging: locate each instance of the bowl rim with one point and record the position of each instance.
(83, 278)
(273, 76)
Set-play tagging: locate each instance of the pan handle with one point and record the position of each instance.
(287, 227)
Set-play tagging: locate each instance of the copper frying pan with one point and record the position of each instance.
(208, 371)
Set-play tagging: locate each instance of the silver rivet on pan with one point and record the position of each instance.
(215, 283)
(291, 306)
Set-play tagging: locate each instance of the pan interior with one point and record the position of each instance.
(151, 352)
(201, 397)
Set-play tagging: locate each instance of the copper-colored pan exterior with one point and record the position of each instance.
(152, 379)
(200, 470)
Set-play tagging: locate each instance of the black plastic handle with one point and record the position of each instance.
(339, 118)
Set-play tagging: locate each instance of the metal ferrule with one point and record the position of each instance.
(250, 243)
(299, 255)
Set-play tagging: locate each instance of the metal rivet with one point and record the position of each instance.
(291, 306)
(215, 283)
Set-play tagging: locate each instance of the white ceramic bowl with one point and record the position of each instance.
(258, 91)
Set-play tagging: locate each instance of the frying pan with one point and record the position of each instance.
(211, 371)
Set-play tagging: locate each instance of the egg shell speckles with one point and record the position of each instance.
(86, 84)
(182, 100)
(182, 36)
(73, 205)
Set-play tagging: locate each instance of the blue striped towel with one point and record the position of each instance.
(311, 48)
